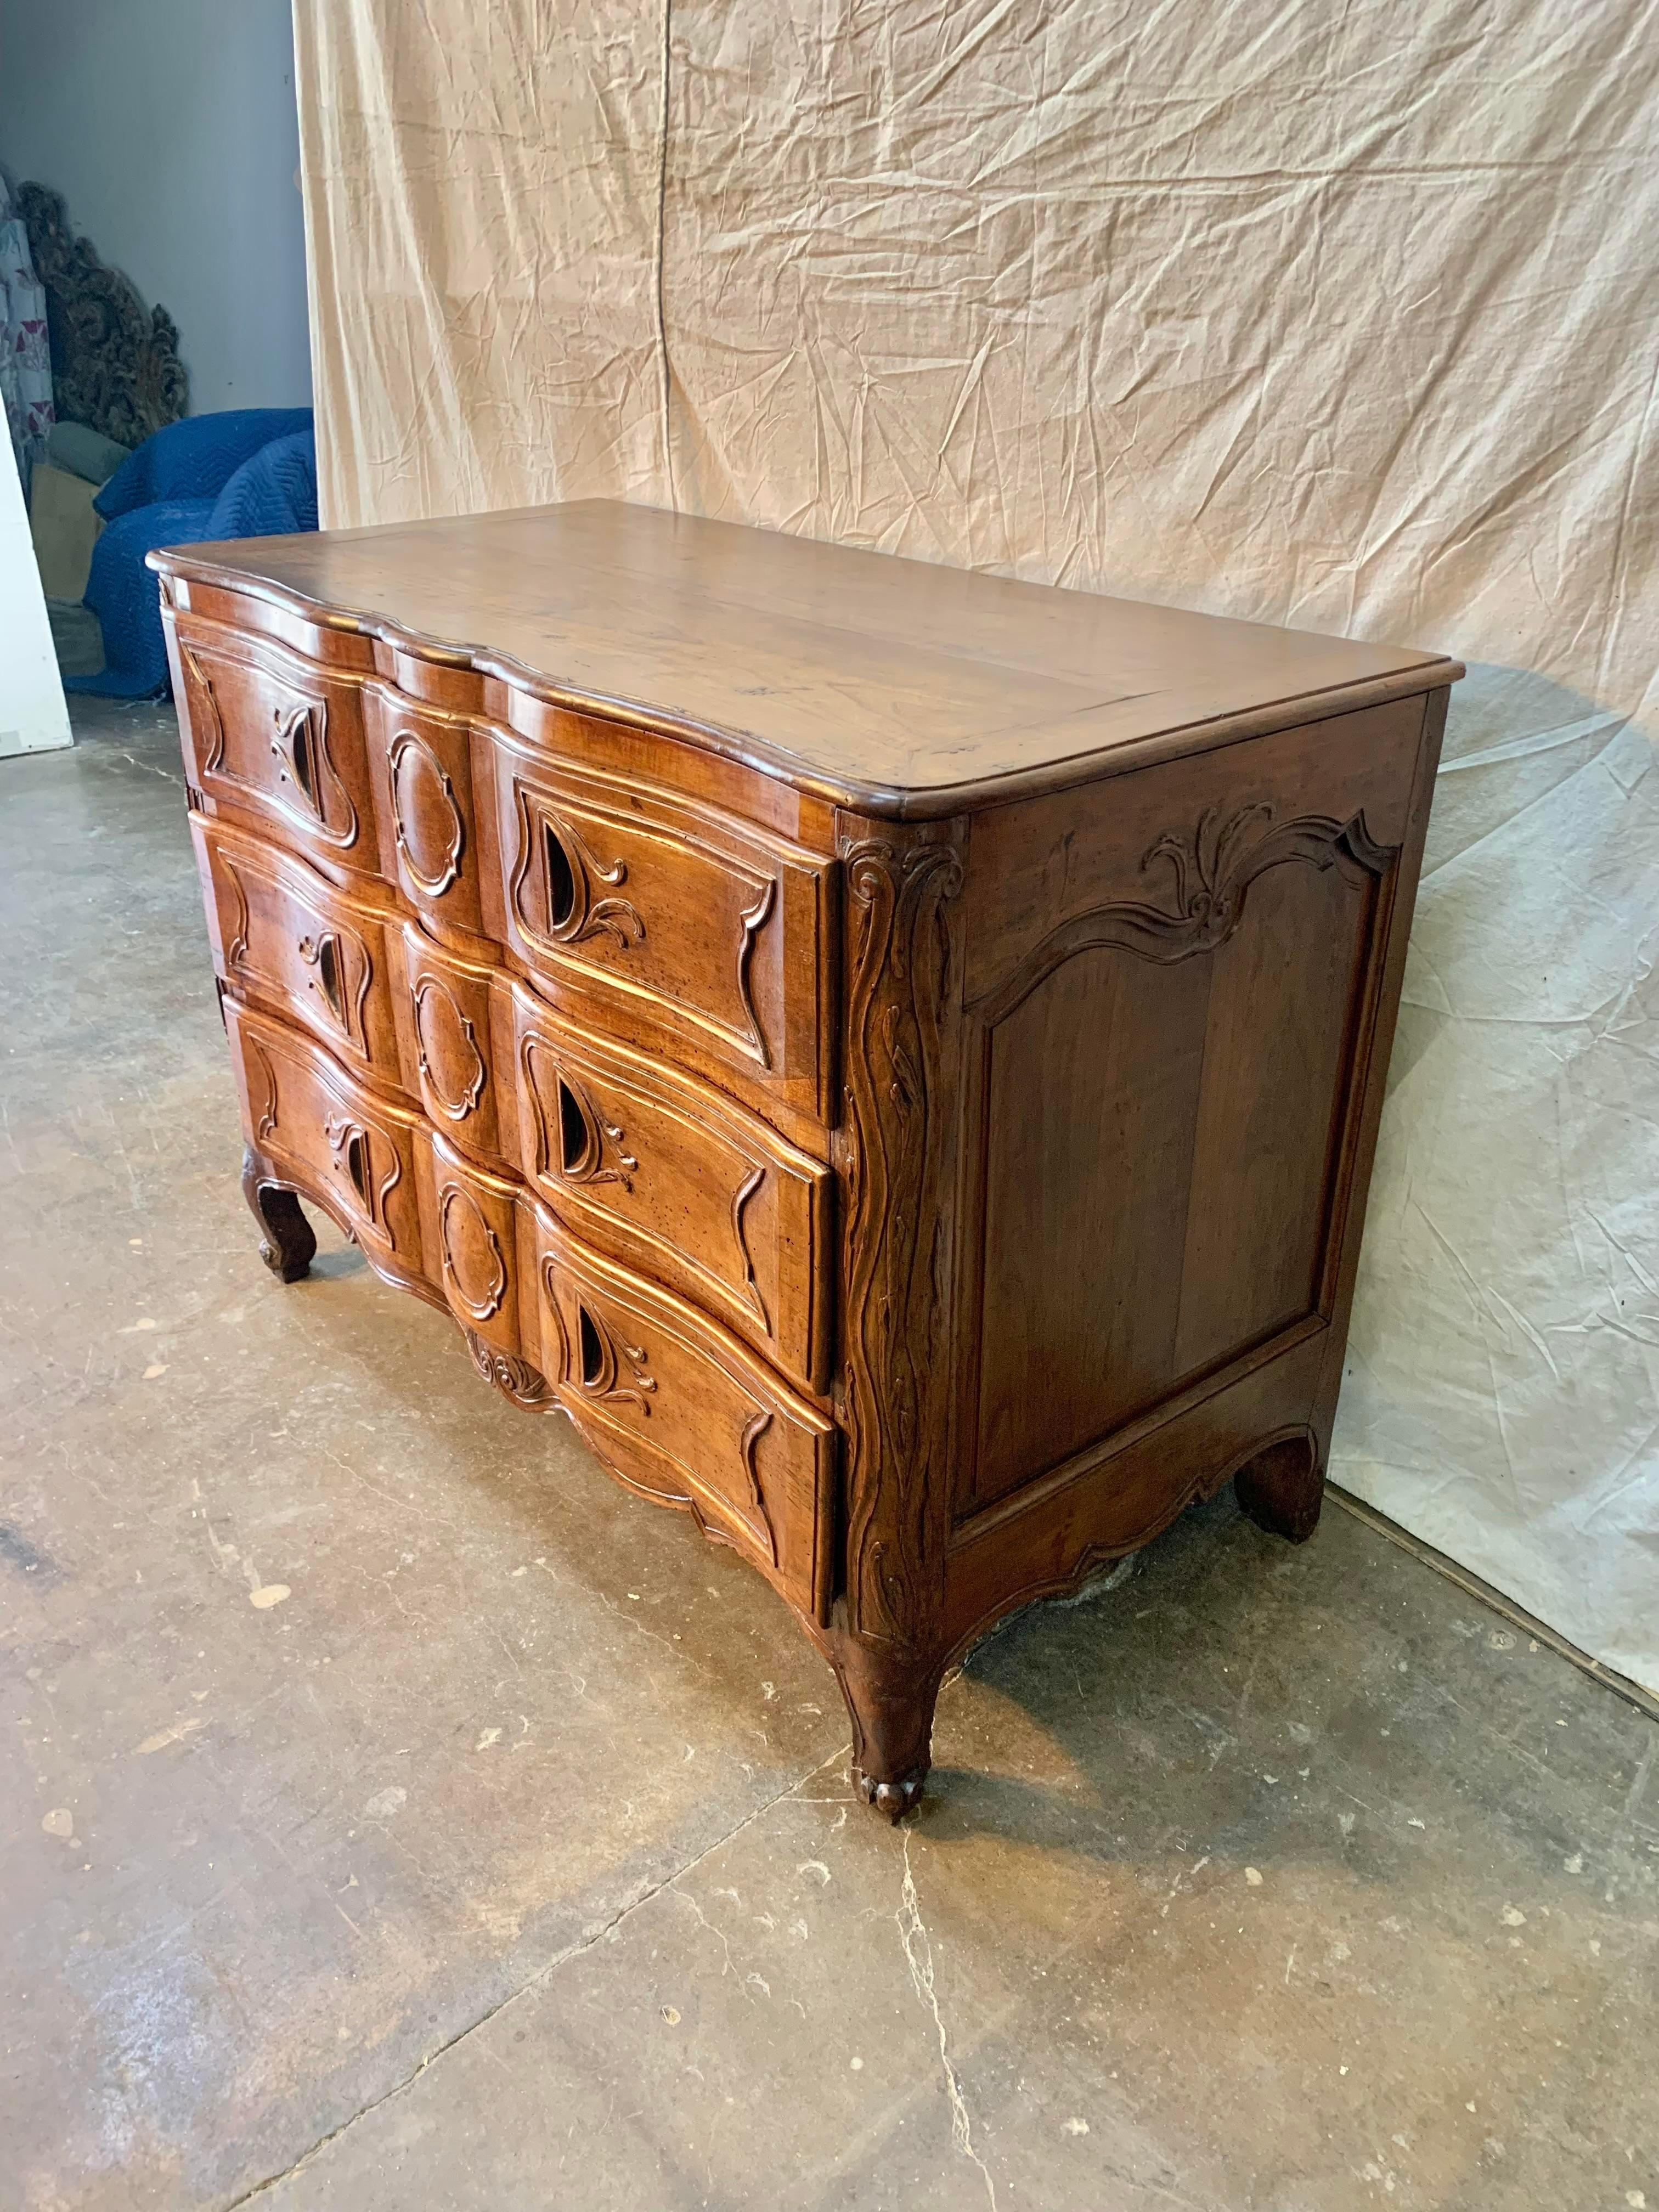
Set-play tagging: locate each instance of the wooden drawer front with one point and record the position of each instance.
(663, 917)
(470, 1229)
(268, 731)
(284, 937)
(353, 1152)
(422, 763)
(450, 1055)
(673, 1177)
(686, 1414)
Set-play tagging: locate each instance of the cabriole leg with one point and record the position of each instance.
(1282, 1489)
(287, 1245)
(891, 1700)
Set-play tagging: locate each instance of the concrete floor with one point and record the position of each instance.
(393, 1813)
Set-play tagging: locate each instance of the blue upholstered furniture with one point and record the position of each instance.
(248, 473)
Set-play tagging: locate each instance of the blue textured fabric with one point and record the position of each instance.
(121, 592)
(196, 459)
(272, 494)
(268, 492)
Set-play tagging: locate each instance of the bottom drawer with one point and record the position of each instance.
(354, 1152)
(667, 1397)
(684, 1413)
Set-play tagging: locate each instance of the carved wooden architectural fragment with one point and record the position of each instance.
(895, 1056)
(115, 363)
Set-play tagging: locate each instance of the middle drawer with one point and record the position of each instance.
(285, 939)
(665, 1172)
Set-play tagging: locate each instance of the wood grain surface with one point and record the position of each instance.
(895, 687)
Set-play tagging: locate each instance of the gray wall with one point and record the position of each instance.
(169, 127)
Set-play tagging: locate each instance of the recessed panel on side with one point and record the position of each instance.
(1092, 1085)
(1158, 1139)
(1286, 984)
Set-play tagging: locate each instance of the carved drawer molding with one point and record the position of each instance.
(275, 741)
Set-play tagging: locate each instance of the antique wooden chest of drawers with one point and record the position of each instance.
(894, 1055)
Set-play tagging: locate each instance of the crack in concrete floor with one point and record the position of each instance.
(542, 1974)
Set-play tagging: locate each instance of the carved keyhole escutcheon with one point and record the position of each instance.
(323, 954)
(560, 880)
(576, 1141)
(356, 1163)
(576, 1145)
(297, 753)
(579, 897)
(591, 1349)
(349, 1142)
(294, 748)
(609, 1370)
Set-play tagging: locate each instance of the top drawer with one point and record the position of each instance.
(278, 737)
(672, 923)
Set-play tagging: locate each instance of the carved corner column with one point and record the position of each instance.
(896, 1153)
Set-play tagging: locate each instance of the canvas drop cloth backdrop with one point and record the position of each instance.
(1343, 318)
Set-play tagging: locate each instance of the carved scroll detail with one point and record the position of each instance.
(481, 1299)
(462, 1098)
(432, 880)
(760, 1523)
(740, 1198)
(1214, 866)
(264, 1123)
(236, 950)
(753, 919)
(895, 1167)
(199, 684)
(516, 1378)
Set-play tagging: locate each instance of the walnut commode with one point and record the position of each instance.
(894, 1053)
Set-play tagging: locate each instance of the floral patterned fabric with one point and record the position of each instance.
(25, 355)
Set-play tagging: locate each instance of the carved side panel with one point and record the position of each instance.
(426, 822)
(898, 1156)
(475, 1218)
(475, 1264)
(453, 1069)
(1158, 1105)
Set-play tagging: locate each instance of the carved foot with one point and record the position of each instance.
(895, 1799)
(1283, 1488)
(288, 1246)
(890, 1695)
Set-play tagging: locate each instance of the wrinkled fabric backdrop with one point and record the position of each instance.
(1339, 317)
